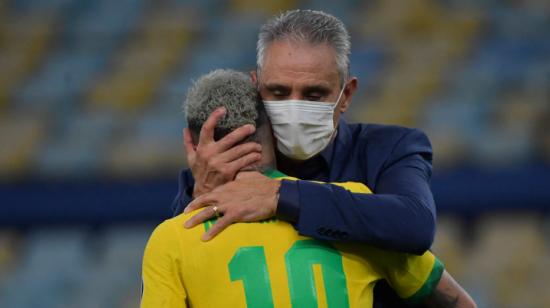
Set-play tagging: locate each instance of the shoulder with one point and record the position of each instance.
(381, 134)
(392, 140)
(166, 242)
(162, 234)
(409, 275)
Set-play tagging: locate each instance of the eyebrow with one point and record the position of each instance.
(313, 88)
(317, 88)
(276, 86)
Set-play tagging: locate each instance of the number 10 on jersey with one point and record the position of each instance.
(249, 265)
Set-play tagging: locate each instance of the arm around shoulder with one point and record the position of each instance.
(406, 176)
(399, 216)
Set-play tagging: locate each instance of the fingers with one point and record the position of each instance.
(245, 161)
(240, 156)
(220, 225)
(239, 151)
(235, 136)
(199, 202)
(207, 129)
(201, 217)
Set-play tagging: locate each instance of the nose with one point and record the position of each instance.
(296, 95)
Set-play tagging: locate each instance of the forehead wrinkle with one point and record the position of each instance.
(293, 64)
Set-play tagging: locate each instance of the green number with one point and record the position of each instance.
(300, 259)
(249, 265)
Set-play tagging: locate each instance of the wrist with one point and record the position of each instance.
(288, 207)
(277, 187)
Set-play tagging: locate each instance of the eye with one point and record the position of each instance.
(314, 97)
(278, 94)
(315, 93)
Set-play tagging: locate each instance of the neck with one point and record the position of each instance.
(303, 169)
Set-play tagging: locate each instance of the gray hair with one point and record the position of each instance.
(223, 88)
(307, 26)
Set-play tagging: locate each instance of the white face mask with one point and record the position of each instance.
(302, 128)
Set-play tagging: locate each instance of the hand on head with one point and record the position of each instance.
(214, 163)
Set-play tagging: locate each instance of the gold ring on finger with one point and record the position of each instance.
(216, 211)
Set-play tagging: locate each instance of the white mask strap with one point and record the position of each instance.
(339, 96)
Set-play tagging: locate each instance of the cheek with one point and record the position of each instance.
(265, 95)
(336, 116)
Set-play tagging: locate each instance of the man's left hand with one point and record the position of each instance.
(250, 197)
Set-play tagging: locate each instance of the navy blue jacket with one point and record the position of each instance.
(394, 162)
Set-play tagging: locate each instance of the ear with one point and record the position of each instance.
(254, 77)
(349, 90)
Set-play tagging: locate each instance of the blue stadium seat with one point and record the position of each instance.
(75, 156)
(53, 266)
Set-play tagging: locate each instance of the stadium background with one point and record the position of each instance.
(90, 131)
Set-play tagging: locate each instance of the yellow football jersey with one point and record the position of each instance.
(267, 264)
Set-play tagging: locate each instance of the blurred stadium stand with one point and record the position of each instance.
(90, 130)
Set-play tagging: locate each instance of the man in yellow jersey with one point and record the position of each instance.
(267, 264)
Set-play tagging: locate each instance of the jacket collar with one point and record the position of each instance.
(340, 144)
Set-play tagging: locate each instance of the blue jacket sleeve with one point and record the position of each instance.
(185, 193)
(400, 215)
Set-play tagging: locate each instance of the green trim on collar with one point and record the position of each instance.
(274, 174)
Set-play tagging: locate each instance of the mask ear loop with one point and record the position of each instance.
(334, 107)
(339, 97)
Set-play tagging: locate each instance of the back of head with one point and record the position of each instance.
(307, 26)
(223, 88)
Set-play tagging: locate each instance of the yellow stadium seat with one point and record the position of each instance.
(144, 63)
(21, 136)
(9, 253)
(449, 245)
(506, 258)
(24, 41)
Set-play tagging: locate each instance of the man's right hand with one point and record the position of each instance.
(214, 163)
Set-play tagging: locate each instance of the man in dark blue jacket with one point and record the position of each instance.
(303, 78)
